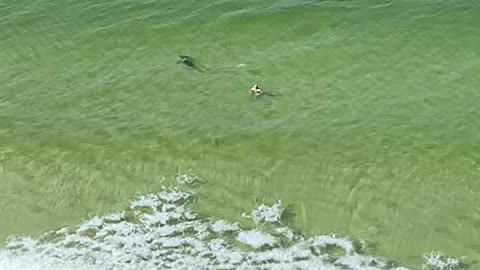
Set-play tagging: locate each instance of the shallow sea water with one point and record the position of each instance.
(371, 132)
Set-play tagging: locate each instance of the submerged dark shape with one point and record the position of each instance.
(189, 62)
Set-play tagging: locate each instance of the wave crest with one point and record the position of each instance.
(160, 231)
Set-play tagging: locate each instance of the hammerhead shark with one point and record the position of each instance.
(189, 62)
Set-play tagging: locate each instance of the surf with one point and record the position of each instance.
(161, 231)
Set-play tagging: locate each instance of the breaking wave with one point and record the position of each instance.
(160, 231)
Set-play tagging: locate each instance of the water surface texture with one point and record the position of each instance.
(371, 131)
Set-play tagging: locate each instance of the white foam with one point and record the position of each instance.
(256, 239)
(162, 232)
(223, 226)
(436, 260)
(266, 214)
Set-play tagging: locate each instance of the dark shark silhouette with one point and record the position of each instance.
(190, 62)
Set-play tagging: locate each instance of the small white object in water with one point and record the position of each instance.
(241, 65)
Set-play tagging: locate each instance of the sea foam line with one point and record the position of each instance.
(160, 231)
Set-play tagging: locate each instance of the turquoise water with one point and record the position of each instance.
(372, 132)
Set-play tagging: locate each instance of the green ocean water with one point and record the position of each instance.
(372, 132)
